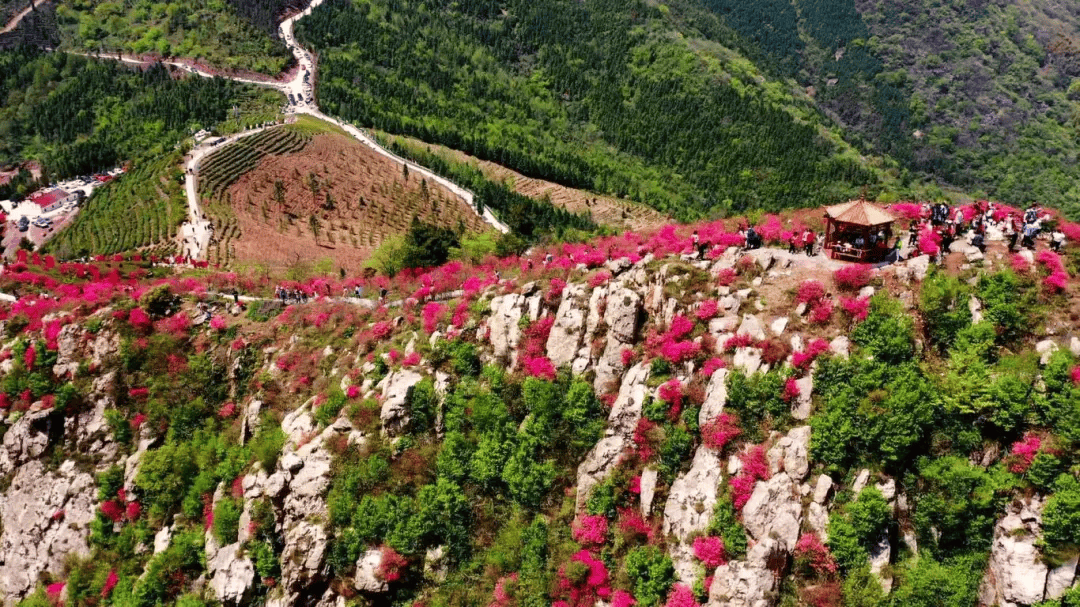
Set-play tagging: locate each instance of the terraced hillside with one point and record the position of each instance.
(141, 210)
(302, 193)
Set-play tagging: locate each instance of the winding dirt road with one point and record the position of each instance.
(196, 231)
(14, 21)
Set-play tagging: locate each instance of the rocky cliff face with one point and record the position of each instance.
(52, 459)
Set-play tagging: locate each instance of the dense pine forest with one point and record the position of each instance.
(605, 95)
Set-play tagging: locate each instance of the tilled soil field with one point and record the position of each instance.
(334, 198)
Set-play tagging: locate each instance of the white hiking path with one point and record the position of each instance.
(196, 231)
(14, 22)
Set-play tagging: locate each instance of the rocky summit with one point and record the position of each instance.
(629, 421)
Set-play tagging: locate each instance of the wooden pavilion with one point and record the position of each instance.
(858, 231)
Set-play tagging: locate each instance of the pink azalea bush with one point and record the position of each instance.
(1023, 453)
(810, 291)
(391, 565)
(803, 358)
(671, 392)
(432, 313)
(622, 598)
(755, 468)
(708, 309)
(712, 365)
(681, 596)
(718, 431)
(852, 277)
(821, 313)
(811, 552)
(858, 308)
(709, 550)
(505, 590)
(581, 582)
(218, 323)
(791, 389)
(110, 583)
(112, 510)
(590, 530)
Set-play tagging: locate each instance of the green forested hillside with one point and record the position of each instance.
(210, 30)
(628, 98)
(79, 115)
(972, 95)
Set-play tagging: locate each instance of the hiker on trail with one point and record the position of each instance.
(809, 239)
(1010, 233)
(979, 242)
(1031, 215)
(1030, 232)
(359, 291)
(547, 259)
(794, 242)
(235, 296)
(382, 295)
(913, 234)
(1057, 240)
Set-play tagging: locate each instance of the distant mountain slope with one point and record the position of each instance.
(637, 100)
(974, 95)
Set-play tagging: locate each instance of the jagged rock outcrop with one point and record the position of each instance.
(689, 508)
(232, 575)
(622, 420)
(396, 388)
(367, 577)
(1016, 574)
(623, 308)
(44, 517)
(567, 331)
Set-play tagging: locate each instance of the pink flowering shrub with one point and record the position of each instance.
(791, 390)
(227, 410)
(710, 551)
(532, 353)
(708, 309)
(718, 431)
(590, 530)
(1051, 261)
(432, 313)
(555, 289)
(712, 365)
(754, 468)
(1023, 453)
(929, 243)
(645, 439)
(907, 210)
(391, 565)
(810, 291)
(132, 511)
(627, 357)
(217, 323)
(858, 308)
(741, 340)
(671, 392)
(622, 598)
(1019, 264)
(29, 357)
(802, 359)
(582, 581)
(1075, 374)
(113, 510)
(681, 326)
(53, 591)
(138, 421)
(1056, 283)
(726, 277)
(681, 596)
(352, 391)
(822, 313)
(633, 526)
(505, 591)
(599, 279)
(411, 360)
(812, 554)
(852, 277)
(381, 330)
(110, 583)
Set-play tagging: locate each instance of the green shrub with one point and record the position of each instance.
(943, 303)
(1061, 516)
(888, 334)
(423, 402)
(227, 520)
(957, 504)
(651, 573)
(327, 412)
(168, 572)
(857, 527)
(725, 523)
(925, 582)
(757, 398)
(267, 444)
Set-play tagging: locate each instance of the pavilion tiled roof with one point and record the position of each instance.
(860, 212)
